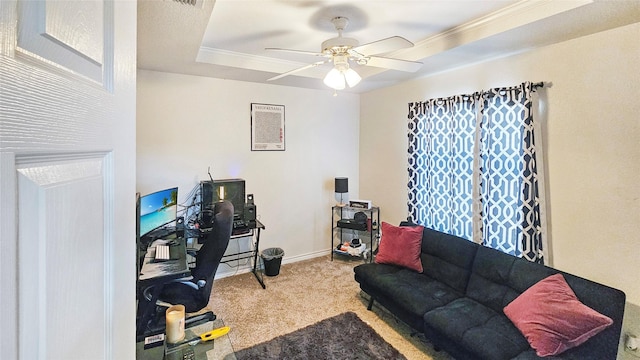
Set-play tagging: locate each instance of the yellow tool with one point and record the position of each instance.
(207, 336)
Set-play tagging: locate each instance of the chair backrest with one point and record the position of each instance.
(211, 252)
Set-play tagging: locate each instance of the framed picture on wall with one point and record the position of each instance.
(267, 127)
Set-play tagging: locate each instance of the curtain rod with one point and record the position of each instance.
(534, 86)
(540, 84)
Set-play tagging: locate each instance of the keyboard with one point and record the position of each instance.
(162, 253)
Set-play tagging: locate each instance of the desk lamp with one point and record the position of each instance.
(341, 187)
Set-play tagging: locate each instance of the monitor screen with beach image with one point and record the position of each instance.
(158, 209)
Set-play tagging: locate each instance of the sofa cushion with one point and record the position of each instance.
(552, 318)
(447, 258)
(481, 331)
(489, 281)
(415, 293)
(604, 299)
(400, 245)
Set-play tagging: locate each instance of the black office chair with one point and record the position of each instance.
(194, 292)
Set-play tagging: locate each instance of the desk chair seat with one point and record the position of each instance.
(194, 292)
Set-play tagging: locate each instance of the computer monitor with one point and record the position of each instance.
(157, 209)
(138, 243)
(138, 217)
(224, 189)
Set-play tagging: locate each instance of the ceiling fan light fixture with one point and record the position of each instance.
(341, 73)
(334, 79)
(341, 62)
(352, 77)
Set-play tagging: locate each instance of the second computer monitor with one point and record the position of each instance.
(232, 190)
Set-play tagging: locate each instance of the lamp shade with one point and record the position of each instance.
(342, 185)
(352, 77)
(334, 79)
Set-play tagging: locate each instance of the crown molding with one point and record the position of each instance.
(509, 18)
(254, 62)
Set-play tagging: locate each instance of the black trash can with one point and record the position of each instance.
(272, 258)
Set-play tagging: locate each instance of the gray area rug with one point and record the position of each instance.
(343, 336)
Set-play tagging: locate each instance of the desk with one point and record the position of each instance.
(152, 273)
(218, 349)
(254, 228)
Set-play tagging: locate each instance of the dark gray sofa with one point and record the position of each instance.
(457, 301)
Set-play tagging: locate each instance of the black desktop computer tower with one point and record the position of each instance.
(205, 217)
(206, 194)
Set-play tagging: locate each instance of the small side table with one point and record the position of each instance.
(347, 231)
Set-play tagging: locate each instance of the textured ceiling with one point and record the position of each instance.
(227, 38)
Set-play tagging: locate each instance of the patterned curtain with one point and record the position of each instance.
(441, 140)
(473, 170)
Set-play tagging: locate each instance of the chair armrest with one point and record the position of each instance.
(187, 281)
(184, 280)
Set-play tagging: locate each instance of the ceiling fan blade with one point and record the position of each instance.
(383, 46)
(393, 64)
(296, 51)
(298, 69)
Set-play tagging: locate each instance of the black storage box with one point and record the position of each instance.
(352, 224)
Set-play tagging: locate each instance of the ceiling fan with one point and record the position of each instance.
(343, 50)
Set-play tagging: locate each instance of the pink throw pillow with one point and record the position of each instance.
(552, 318)
(401, 246)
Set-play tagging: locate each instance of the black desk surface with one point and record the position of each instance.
(152, 270)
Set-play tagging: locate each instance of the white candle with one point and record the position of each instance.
(175, 323)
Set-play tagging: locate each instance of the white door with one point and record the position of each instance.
(67, 179)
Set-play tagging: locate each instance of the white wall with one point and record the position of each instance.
(189, 123)
(591, 139)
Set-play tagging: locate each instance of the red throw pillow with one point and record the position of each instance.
(400, 245)
(552, 318)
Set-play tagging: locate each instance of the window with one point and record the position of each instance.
(472, 169)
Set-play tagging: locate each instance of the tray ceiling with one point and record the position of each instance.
(227, 38)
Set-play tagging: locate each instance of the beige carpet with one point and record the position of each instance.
(302, 294)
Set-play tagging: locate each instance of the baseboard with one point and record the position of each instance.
(285, 260)
(308, 256)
